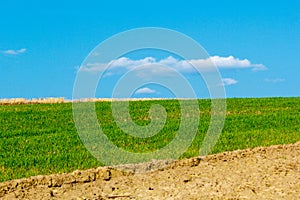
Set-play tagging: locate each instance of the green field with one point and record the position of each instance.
(42, 138)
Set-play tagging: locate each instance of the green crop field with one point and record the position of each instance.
(42, 138)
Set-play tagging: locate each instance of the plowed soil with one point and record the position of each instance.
(259, 173)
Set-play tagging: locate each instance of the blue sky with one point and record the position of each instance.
(42, 43)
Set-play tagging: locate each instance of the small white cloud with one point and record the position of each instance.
(14, 52)
(228, 81)
(232, 62)
(23, 50)
(122, 62)
(228, 62)
(145, 90)
(275, 80)
(258, 67)
(95, 54)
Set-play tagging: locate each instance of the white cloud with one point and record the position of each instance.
(228, 81)
(145, 90)
(14, 52)
(232, 62)
(275, 80)
(229, 62)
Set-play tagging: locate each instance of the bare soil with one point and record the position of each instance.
(259, 173)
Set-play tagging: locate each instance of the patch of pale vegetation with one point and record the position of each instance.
(14, 101)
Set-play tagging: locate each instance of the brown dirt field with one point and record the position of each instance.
(259, 173)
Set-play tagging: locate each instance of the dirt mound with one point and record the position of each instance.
(259, 173)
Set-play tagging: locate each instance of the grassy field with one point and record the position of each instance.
(42, 138)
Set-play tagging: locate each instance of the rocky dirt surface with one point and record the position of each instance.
(259, 173)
